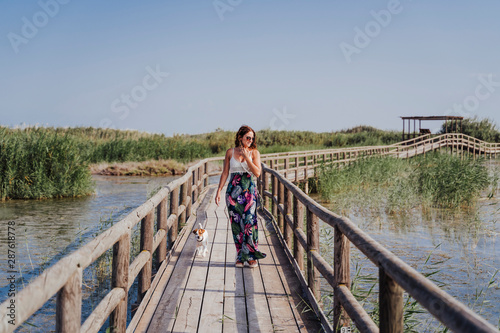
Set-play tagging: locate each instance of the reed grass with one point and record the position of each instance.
(47, 162)
(449, 181)
(436, 179)
(39, 164)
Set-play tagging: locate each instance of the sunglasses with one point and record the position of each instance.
(249, 138)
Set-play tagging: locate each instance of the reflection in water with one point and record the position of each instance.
(47, 230)
(465, 242)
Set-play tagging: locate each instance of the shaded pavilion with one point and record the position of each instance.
(455, 121)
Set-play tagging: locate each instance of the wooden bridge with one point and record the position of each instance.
(189, 293)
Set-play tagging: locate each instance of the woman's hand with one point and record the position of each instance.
(217, 197)
(246, 153)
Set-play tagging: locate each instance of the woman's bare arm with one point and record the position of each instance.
(223, 176)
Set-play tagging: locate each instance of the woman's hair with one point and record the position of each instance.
(241, 133)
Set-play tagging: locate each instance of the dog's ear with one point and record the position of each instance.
(202, 230)
(195, 231)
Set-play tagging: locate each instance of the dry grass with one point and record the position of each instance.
(146, 168)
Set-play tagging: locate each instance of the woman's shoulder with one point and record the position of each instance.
(255, 153)
(229, 152)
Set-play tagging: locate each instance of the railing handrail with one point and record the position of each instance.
(443, 137)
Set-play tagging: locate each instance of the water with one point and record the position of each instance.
(47, 230)
(462, 246)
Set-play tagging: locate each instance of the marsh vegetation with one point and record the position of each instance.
(436, 179)
(438, 213)
(41, 163)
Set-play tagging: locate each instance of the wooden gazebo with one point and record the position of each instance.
(456, 125)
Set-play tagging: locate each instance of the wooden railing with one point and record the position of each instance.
(173, 205)
(301, 165)
(457, 143)
(289, 206)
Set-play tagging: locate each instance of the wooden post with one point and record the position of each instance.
(390, 303)
(190, 198)
(288, 213)
(342, 276)
(281, 200)
(184, 191)
(265, 186)
(195, 182)
(198, 184)
(147, 231)
(69, 304)
(296, 169)
(305, 167)
(286, 162)
(119, 279)
(200, 179)
(205, 171)
(312, 245)
(314, 165)
(174, 209)
(298, 223)
(162, 215)
(403, 138)
(275, 193)
(261, 183)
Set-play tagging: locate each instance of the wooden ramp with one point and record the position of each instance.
(196, 294)
(418, 150)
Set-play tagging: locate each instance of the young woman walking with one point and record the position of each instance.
(240, 163)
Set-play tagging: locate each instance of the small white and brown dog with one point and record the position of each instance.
(201, 241)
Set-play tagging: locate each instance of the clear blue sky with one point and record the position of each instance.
(283, 64)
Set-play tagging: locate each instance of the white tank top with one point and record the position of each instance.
(237, 166)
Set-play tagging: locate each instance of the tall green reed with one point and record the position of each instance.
(437, 179)
(40, 164)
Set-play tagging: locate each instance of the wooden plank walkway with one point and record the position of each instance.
(196, 294)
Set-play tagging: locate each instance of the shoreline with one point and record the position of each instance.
(145, 168)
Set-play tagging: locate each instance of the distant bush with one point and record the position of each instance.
(482, 129)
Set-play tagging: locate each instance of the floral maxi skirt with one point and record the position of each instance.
(241, 201)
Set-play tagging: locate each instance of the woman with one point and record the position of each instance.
(241, 162)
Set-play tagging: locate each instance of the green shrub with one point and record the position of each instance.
(38, 164)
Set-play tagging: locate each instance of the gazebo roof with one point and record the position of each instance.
(434, 118)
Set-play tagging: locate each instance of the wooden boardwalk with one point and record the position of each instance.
(197, 294)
